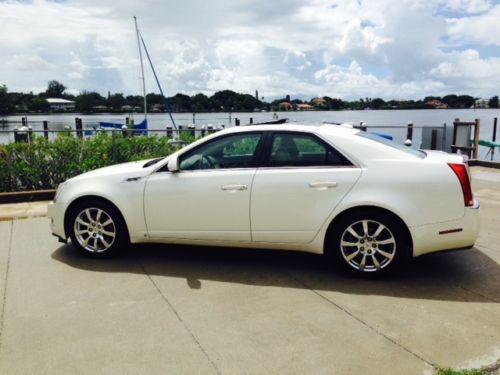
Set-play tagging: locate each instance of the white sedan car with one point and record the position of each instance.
(367, 202)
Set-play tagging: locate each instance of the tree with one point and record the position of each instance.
(55, 89)
(377, 103)
(451, 100)
(493, 102)
(200, 103)
(223, 100)
(87, 100)
(465, 101)
(116, 101)
(180, 103)
(431, 98)
(135, 100)
(5, 106)
(38, 104)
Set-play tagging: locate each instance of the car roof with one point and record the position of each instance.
(342, 137)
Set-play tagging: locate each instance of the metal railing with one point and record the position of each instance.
(427, 137)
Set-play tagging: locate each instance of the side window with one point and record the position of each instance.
(234, 151)
(303, 150)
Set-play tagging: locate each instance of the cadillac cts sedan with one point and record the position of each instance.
(366, 202)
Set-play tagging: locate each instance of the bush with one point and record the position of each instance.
(43, 164)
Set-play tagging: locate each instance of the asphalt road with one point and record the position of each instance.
(185, 310)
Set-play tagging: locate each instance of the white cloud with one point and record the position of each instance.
(468, 70)
(468, 6)
(478, 29)
(29, 63)
(318, 47)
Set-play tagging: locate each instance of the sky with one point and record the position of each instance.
(349, 49)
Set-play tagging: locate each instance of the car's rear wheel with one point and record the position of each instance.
(369, 242)
(96, 228)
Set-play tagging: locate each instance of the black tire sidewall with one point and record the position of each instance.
(402, 242)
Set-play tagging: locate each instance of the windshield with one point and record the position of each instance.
(377, 138)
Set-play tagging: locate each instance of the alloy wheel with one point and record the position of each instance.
(95, 230)
(368, 245)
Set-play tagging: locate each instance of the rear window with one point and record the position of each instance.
(374, 137)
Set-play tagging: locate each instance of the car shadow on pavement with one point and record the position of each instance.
(462, 276)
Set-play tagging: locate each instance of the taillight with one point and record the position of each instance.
(462, 175)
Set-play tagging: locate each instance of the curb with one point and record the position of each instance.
(484, 163)
(27, 196)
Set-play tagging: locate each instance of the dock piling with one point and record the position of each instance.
(409, 131)
(46, 129)
(79, 127)
(494, 136)
(434, 139)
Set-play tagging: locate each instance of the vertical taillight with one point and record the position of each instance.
(462, 175)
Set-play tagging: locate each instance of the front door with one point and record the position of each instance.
(209, 198)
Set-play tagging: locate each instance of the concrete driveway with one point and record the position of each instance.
(184, 310)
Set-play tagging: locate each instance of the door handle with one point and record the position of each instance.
(322, 184)
(234, 187)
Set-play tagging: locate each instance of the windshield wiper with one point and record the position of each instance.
(151, 162)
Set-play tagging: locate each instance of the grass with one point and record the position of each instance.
(449, 371)
(488, 370)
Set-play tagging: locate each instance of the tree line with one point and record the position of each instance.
(221, 101)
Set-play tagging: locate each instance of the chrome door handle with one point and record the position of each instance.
(234, 187)
(322, 184)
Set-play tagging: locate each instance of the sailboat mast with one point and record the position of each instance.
(142, 69)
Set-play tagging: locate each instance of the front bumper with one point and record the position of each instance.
(456, 234)
(55, 212)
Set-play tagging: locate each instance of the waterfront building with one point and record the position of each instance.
(59, 104)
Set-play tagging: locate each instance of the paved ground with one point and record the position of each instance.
(182, 310)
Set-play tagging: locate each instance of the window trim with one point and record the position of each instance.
(268, 145)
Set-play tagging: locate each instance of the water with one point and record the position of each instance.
(380, 118)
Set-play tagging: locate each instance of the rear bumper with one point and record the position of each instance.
(55, 212)
(456, 234)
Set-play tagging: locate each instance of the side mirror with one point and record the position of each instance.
(173, 164)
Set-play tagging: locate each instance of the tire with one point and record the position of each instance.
(97, 229)
(369, 242)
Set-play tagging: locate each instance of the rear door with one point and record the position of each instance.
(302, 181)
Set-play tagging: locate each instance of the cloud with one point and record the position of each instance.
(407, 48)
(468, 70)
(29, 63)
(468, 6)
(479, 29)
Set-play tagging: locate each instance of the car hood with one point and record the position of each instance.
(133, 169)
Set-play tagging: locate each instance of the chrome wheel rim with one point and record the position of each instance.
(95, 230)
(368, 245)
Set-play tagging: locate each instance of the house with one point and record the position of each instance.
(157, 108)
(285, 106)
(481, 103)
(58, 104)
(318, 102)
(437, 104)
(305, 107)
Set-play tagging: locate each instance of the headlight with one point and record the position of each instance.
(60, 189)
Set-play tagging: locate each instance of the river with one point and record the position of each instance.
(372, 118)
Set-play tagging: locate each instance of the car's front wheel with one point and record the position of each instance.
(369, 242)
(96, 228)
